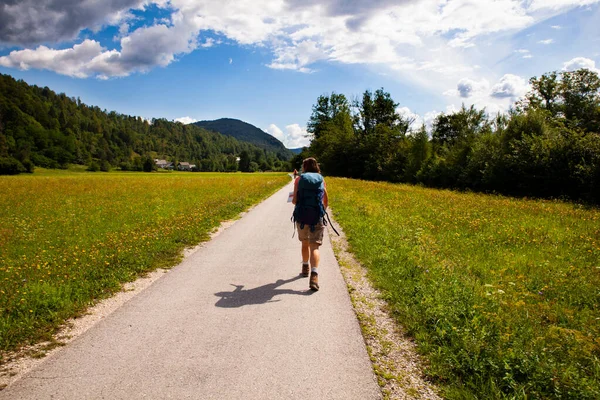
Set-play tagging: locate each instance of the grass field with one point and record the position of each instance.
(68, 239)
(501, 294)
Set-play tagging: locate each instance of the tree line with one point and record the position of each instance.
(41, 128)
(547, 145)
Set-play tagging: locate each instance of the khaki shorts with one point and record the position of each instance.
(312, 237)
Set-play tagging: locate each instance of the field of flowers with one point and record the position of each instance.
(502, 295)
(69, 239)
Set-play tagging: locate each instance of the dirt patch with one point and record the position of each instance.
(17, 363)
(396, 363)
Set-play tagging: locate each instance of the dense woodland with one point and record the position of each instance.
(547, 146)
(41, 128)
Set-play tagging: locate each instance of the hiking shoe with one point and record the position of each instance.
(305, 270)
(314, 281)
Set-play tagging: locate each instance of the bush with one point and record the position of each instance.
(11, 166)
(94, 167)
(43, 161)
(104, 166)
(29, 167)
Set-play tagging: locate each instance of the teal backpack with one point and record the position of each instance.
(309, 208)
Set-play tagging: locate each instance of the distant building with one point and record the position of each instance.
(185, 166)
(164, 164)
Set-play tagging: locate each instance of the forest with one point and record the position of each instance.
(547, 145)
(41, 128)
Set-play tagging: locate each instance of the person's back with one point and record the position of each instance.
(310, 200)
(309, 208)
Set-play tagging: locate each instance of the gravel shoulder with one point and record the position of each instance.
(398, 367)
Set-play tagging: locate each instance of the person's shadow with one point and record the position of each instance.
(259, 295)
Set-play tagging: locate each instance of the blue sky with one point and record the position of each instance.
(267, 61)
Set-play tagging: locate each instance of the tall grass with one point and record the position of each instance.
(68, 239)
(501, 294)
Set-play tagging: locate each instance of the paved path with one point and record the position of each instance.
(233, 321)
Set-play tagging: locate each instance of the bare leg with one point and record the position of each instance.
(314, 255)
(305, 251)
(313, 283)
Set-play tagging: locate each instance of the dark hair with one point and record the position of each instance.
(310, 165)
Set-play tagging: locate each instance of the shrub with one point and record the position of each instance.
(94, 167)
(10, 166)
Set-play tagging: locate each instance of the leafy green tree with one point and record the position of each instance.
(244, 165)
(148, 164)
(419, 151)
(572, 96)
(325, 110)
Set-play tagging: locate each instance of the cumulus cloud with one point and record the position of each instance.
(299, 34)
(71, 62)
(509, 86)
(546, 41)
(186, 120)
(293, 137)
(414, 119)
(579, 63)
(467, 87)
(31, 22)
(143, 49)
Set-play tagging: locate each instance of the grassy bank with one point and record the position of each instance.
(501, 294)
(68, 239)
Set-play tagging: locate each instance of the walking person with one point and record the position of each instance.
(311, 201)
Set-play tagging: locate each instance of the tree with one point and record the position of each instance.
(245, 160)
(148, 165)
(571, 95)
(326, 109)
(419, 153)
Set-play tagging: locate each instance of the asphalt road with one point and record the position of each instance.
(233, 321)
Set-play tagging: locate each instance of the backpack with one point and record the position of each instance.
(309, 201)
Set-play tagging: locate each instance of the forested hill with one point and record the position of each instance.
(39, 127)
(248, 133)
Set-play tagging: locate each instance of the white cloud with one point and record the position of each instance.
(546, 41)
(556, 27)
(396, 34)
(186, 120)
(468, 87)
(510, 86)
(579, 63)
(71, 62)
(231, 61)
(293, 137)
(209, 42)
(274, 131)
(525, 53)
(142, 50)
(415, 119)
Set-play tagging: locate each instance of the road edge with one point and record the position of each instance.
(396, 364)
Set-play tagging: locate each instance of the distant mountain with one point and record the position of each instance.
(39, 127)
(248, 133)
(297, 151)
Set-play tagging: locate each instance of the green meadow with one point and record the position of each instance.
(68, 239)
(502, 295)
